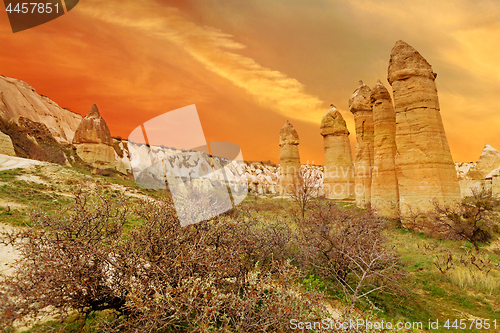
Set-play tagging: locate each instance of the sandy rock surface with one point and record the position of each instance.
(338, 182)
(384, 195)
(19, 99)
(488, 161)
(289, 156)
(93, 129)
(6, 146)
(360, 107)
(12, 162)
(425, 168)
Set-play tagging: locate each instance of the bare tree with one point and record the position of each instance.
(306, 187)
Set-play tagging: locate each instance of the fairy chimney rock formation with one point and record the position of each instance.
(289, 157)
(424, 165)
(93, 129)
(93, 141)
(338, 179)
(384, 190)
(360, 106)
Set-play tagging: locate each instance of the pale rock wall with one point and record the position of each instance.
(425, 168)
(93, 141)
(338, 182)
(488, 161)
(98, 155)
(6, 146)
(19, 99)
(122, 163)
(359, 105)
(289, 157)
(384, 190)
(475, 176)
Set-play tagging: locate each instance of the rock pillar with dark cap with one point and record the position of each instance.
(424, 165)
(289, 158)
(359, 105)
(338, 177)
(384, 194)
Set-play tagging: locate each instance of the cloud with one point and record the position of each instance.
(217, 52)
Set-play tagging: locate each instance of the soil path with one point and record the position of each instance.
(7, 253)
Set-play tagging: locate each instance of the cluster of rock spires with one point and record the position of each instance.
(402, 160)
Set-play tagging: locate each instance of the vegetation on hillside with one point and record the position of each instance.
(101, 254)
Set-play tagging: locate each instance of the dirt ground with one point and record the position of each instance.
(7, 253)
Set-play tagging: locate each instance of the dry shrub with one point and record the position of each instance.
(347, 245)
(469, 270)
(471, 219)
(219, 275)
(66, 261)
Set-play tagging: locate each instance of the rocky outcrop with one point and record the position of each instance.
(262, 177)
(93, 141)
(6, 146)
(338, 181)
(467, 185)
(384, 190)
(480, 175)
(360, 106)
(424, 164)
(93, 129)
(19, 99)
(122, 156)
(488, 161)
(289, 157)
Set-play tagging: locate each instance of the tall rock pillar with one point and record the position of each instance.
(289, 158)
(424, 165)
(338, 179)
(359, 105)
(384, 194)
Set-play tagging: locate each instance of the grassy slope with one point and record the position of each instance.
(51, 189)
(431, 294)
(463, 292)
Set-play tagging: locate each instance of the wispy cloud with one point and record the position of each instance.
(217, 52)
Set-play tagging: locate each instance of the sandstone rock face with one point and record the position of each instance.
(262, 177)
(93, 129)
(122, 157)
(19, 99)
(98, 155)
(6, 146)
(488, 161)
(289, 157)
(338, 181)
(384, 190)
(360, 106)
(424, 165)
(93, 141)
(492, 182)
(475, 176)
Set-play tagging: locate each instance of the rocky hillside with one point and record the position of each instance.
(20, 100)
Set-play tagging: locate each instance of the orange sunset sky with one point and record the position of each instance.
(251, 65)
